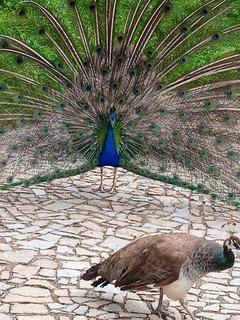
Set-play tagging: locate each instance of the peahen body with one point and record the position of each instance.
(170, 262)
(151, 86)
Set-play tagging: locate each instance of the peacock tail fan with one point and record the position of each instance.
(169, 69)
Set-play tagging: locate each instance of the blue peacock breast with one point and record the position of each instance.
(109, 155)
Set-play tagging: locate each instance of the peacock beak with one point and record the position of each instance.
(112, 123)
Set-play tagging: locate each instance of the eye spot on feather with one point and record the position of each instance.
(149, 65)
(203, 154)
(19, 60)
(178, 154)
(209, 105)
(137, 91)
(182, 115)
(204, 12)
(22, 12)
(232, 155)
(20, 122)
(149, 54)
(120, 38)
(28, 140)
(167, 8)
(182, 60)
(41, 31)
(14, 148)
(182, 93)
(4, 44)
(115, 85)
(33, 163)
(98, 50)
(231, 196)
(104, 71)
(162, 144)
(212, 170)
(72, 3)
(189, 162)
(3, 163)
(184, 30)
(10, 179)
(176, 135)
(88, 88)
(229, 93)
(227, 118)
(59, 65)
(122, 100)
(216, 36)
(120, 59)
(132, 72)
(202, 128)
(86, 63)
(159, 87)
(69, 85)
(165, 179)
(163, 111)
(92, 6)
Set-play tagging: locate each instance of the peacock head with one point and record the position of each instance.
(232, 243)
(112, 116)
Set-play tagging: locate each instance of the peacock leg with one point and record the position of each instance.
(114, 180)
(185, 306)
(101, 183)
(159, 311)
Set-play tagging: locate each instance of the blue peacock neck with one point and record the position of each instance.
(109, 155)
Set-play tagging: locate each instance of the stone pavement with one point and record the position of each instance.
(51, 233)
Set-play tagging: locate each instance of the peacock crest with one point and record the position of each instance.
(169, 70)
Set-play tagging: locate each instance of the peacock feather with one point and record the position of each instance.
(168, 72)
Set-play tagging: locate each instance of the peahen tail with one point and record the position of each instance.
(170, 70)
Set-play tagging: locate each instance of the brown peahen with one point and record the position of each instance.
(152, 86)
(170, 262)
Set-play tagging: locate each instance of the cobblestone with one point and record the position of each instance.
(51, 233)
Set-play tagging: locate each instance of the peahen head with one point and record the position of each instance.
(232, 243)
(112, 116)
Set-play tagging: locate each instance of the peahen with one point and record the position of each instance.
(170, 262)
(148, 85)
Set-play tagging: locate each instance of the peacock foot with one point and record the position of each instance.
(113, 189)
(101, 188)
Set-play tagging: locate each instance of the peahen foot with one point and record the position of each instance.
(162, 310)
(185, 305)
(164, 314)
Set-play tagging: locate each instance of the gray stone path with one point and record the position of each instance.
(50, 234)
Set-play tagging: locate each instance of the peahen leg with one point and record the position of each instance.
(114, 180)
(159, 311)
(185, 306)
(101, 183)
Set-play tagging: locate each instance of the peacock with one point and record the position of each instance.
(170, 262)
(152, 86)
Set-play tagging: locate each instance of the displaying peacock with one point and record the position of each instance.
(152, 86)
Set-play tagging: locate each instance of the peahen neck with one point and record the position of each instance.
(224, 259)
(227, 257)
(109, 155)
